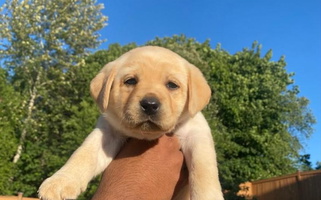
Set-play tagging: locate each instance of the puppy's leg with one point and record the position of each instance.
(200, 156)
(91, 158)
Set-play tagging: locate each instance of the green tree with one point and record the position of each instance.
(256, 116)
(40, 42)
(9, 104)
(305, 163)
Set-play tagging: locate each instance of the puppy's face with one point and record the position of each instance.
(148, 91)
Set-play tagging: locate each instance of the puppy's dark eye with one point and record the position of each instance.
(171, 85)
(131, 81)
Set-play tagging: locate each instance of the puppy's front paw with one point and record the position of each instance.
(59, 187)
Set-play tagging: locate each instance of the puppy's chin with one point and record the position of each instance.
(140, 128)
(148, 126)
(147, 130)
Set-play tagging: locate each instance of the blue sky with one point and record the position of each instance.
(288, 27)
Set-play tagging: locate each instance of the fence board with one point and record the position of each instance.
(297, 186)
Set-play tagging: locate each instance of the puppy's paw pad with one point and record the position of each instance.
(59, 188)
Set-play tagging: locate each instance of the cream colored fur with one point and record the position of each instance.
(179, 113)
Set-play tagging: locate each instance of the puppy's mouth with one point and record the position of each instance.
(150, 130)
(148, 125)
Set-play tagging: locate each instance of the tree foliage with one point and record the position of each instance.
(41, 41)
(257, 118)
(304, 163)
(9, 122)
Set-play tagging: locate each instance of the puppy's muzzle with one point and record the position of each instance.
(150, 105)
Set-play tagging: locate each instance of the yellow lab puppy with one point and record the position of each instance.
(147, 92)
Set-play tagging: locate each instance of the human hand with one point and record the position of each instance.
(144, 170)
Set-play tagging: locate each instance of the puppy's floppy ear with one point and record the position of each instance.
(100, 86)
(199, 92)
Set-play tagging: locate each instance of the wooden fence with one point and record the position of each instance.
(19, 197)
(297, 186)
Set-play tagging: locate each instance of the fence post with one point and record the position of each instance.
(20, 194)
(299, 178)
(245, 190)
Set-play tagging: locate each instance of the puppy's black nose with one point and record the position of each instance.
(150, 105)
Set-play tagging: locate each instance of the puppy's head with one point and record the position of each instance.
(148, 91)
